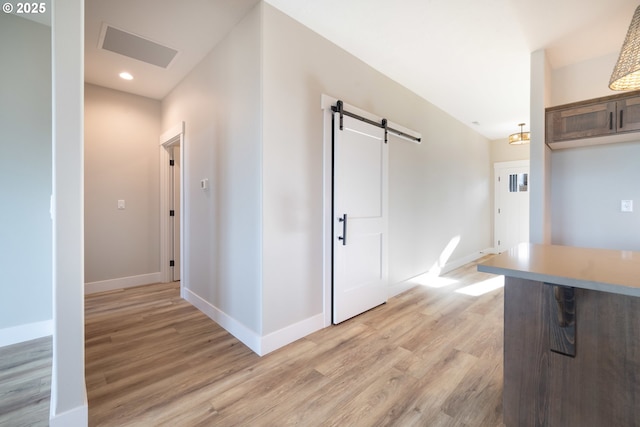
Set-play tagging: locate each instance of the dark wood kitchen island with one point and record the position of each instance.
(571, 336)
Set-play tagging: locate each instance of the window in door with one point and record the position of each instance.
(518, 182)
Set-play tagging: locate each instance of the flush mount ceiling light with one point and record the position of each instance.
(125, 76)
(520, 137)
(626, 73)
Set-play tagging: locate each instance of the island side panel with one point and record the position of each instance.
(526, 344)
(601, 385)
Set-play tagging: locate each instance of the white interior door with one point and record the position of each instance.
(175, 203)
(360, 170)
(512, 204)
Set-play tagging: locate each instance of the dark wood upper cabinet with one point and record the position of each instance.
(628, 111)
(597, 121)
(581, 122)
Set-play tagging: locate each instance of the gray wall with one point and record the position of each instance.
(254, 128)
(588, 183)
(121, 146)
(502, 151)
(25, 172)
(220, 102)
(438, 190)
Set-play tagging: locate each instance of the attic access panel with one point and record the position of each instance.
(136, 47)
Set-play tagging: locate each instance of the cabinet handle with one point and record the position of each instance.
(610, 120)
(621, 122)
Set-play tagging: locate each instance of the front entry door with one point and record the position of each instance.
(512, 204)
(360, 241)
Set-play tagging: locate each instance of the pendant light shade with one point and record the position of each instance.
(520, 137)
(626, 73)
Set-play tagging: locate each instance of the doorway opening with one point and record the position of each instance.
(172, 205)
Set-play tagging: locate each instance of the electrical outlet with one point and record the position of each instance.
(626, 206)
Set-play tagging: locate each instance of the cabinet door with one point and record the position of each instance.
(582, 122)
(629, 115)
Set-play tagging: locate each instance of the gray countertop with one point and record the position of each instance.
(596, 269)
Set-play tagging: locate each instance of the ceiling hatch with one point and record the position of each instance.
(136, 47)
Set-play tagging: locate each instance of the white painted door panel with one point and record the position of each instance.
(175, 153)
(512, 206)
(360, 272)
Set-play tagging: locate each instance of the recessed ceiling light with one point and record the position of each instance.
(126, 76)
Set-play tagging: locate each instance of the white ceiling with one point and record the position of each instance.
(468, 57)
(192, 27)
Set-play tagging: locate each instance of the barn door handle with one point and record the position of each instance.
(343, 220)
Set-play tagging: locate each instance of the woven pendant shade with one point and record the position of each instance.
(626, 73)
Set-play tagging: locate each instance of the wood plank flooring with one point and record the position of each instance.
(429, 357)
(25, 383)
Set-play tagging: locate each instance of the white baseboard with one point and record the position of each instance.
(291, 333)
(76, 417)
(121, 283)
(28, 332)
(248, 337)
(400, 287)
(259, 345)
(450, 266)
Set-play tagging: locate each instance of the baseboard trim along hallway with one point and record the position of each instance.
(121, 283)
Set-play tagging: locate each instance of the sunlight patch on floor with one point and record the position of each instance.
(483, 287)
(432, 281)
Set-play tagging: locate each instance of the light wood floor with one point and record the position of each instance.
(429, 357)
(25, 383)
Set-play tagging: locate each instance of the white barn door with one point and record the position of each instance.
(360, 194)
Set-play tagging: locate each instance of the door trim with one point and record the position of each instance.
(169, 139)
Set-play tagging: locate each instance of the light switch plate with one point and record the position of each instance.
(121, 204)
(626, 206)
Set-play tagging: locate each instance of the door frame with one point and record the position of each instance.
(169, 139)
(327, 206)
(497, 168)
